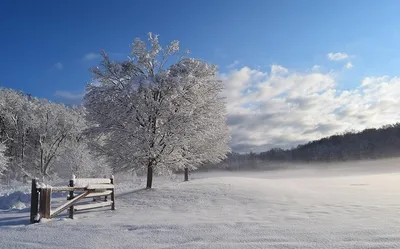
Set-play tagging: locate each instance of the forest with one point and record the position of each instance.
(383, 142)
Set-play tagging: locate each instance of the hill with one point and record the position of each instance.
(368, 144)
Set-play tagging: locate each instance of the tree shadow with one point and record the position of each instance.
(15, 218)
(131, 192)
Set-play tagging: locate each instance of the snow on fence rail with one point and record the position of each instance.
(78, 189)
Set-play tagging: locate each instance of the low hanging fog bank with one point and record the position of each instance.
(296, 170)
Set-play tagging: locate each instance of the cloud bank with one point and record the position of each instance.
(284, 108)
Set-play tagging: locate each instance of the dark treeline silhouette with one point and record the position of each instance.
(367, 144)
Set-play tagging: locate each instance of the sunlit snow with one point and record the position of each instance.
(331, 208)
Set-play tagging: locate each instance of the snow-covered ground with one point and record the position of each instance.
(335, 208)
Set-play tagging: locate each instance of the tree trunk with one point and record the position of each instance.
(149, 176)
(186, 174)
(41, 161)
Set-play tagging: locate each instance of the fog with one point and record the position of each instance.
(291, 170)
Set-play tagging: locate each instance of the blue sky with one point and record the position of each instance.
(47, 47)
(36, 35)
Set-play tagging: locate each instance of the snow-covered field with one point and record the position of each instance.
(335, 208)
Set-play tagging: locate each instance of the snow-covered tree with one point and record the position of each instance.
(36, 132)
(3, 159)
(16, 118)
(55, 126)
(77, 159)
(155, 118)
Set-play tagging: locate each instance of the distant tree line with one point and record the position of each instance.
(368, 144)
(39, 138)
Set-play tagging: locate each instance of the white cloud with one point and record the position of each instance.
(277, 69)
(70, 96)
(91, 56)
(337, 56)
(233, 64)
(282, 108)
(368, 81)
(59, 66)
(349, 65)
(316, 68)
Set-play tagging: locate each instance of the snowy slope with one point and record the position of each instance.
(254, 211)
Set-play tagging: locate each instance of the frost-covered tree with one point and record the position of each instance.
(3, 159)
(155, 118)
(16, 121)
(55, 126)
(77, 159)
(36, 133)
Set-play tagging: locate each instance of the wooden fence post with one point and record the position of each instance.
(186, 174)
(71, 196)
(45, 200)
(112, 193)
(105, 197)
(34, 201)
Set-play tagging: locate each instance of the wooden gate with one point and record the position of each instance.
(79, 188)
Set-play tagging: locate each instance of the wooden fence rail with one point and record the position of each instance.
(79, 188)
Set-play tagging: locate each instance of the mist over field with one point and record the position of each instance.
(349, 205)
(287, 170)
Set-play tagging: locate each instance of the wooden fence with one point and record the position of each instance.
(79, 188)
